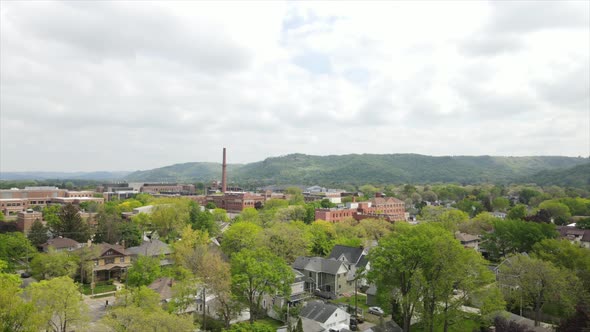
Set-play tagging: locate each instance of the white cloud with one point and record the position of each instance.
(136, 85)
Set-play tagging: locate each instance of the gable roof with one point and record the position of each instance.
(163, 286)
(105, 247)
(464, 237)
(318, 311)
(150, 248)
(318, 264)
(61, 243)
(352, 254)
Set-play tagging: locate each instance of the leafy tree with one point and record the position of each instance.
(416, 269)
(500, 204)
(375, 229)
(130, 233)
(295, 196)
(291, 213)
(1, 216)
(54, 264)
(144, 271)
(512, 236)
(15, 249)
(583, 223)
(38, 233)
(492, 303)
(169, 219)
(70, 224)
(250, 215)
(469, 206)
(502, 324)
(451, 219)
(245, 327)
(480, 224)
(299, 327)
(217, 273)
(59, 303)
(348, 233)
(139, 308)
(15, 313)
(538, 283)
(239, 236)
(518, 212)
(309, 213)
(541, 216)
(566, 255)
(322, 237)
(190, 250)
(326, 204)
(205, 220)
(210, 206)
(51, 215)
(558, 211)
(107, 228)
(286, 240)
(255, 272)
(527, 194)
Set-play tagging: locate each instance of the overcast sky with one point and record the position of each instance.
(94, 85)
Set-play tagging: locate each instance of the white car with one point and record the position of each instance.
(376, 311)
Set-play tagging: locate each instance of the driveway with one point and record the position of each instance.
(97, 306)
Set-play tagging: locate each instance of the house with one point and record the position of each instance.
(500, 215)
(389, 326)
(325, 275)
(355, 258)
(299, 292)
(575, 235)
(319, 316)
(164, 287)
(152, 248)
(111, 262)
(467, 240)
(61, 244)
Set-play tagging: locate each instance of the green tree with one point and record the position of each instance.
(492, 303)
(469, 206)
(70, 224)
(255, 327)
(130, 233)
(537, 283)
(558, 211)
(139, 308)
(565, 255)
(54, 264)
(241, 235)
(515, 236)
(15, 313)
(295, 196)
(290, 213)
(518, 212)
(255, 272)
(1, 216)
(322, 237)
(38, 233)
(190, 250)
(250, 214)
(286, 240)
(51, 215)
(375, 229)
(217, 274)
(203, 220)
(500, 204)
(59, 303)
(144, 271)
(15, 249)
(527, 194)
(429, 196)
(107, 228)
(480, 224)
(299, 327)
(416, 268)
(169, 219)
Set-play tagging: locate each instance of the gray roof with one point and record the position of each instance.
(389, 326)
(150, 248)
(318, 311)
(317, 264)
(352, 254)
(362, 262)
(372, 290)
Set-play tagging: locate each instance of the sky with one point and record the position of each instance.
(97, 85)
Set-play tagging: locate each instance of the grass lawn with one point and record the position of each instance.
(361, 302)
(98, 289)
(467, 324)
(270, 322)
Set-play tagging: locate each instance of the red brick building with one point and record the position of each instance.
(17, 200)
(235, 202)
(391, 209)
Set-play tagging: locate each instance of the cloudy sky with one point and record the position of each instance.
(95, 85)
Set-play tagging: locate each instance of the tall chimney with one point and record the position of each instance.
(223, 174)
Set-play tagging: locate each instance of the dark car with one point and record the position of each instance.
(25, 274)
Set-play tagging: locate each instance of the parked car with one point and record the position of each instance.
(376, 311)
(25, 274)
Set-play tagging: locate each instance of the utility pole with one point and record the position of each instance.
(355, 297)
(204, 304)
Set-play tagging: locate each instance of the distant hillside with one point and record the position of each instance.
(187, 172)
(365, 168)
(577, 176)
(105, 176)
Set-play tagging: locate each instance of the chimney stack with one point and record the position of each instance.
(223, 174)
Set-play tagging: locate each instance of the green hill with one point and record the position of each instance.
(366, 168)
(577, 176)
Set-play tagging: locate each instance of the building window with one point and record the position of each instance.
(122, 259)
(109, 260)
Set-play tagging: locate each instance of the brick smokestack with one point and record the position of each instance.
(223, 173)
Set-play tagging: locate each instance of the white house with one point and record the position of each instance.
(324, 316)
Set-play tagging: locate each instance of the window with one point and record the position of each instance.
(122, 259)
(109, 260)
(96, 262)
